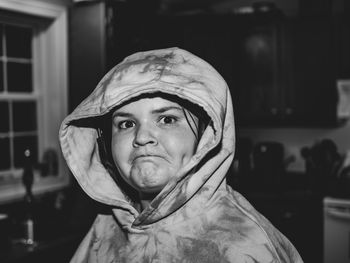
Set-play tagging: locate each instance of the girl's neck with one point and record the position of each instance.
(146, 199)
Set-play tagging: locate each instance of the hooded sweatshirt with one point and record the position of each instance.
(196, 217)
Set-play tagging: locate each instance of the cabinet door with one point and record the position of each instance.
(257, 69)
(342, 46)
(129, 32)
(209, 37)
(314, 100)
(87, 50)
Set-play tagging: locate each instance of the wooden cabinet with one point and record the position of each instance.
(259, 72)
(313, 93)
(342, 35)
(210, 38)
(129, 32)
(103, 33)
(281, 70)
(87, 50)
(286, 72)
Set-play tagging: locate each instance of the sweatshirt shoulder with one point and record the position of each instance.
(276, 242)
(103, 236)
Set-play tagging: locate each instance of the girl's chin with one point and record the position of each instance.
(151, 179)
(149, 189)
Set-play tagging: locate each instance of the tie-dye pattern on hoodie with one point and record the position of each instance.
(197, 217)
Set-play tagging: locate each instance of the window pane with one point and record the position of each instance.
(4, 153)
(24, 116)
(19, 77)
(1, 77)
(1, 34)
(21, 143)
(4, 116)
(18, 41)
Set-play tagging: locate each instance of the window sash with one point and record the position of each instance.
(13, 97)
(51, 76)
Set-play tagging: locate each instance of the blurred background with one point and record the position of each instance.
(287, 64)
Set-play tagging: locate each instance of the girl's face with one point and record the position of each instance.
(151, 141)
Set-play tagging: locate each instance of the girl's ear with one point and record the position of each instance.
(105, 155)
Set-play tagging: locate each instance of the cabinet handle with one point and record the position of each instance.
(288, 215)
(289, 111)
(274, 111)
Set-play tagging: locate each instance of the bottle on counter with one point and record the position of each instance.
(28, 179)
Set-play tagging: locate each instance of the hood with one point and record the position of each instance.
(172, 71)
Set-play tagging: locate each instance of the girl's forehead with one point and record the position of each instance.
(148, 104)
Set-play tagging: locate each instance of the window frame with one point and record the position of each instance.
(51, 78)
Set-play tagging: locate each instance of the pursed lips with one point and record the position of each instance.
(146, 156)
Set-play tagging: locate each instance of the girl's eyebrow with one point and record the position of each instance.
(167, 108)
(121, 114)
(155, 111)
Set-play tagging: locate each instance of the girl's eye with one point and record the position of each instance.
(126, 124)
(168, 119)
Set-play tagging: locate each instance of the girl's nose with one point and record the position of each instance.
(145, 135)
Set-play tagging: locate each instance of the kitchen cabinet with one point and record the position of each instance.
(129, 32)
(103, 33)
(260, 69)
(313, 93)
(287, 72)
(120, 29)
(281, 70)
(87, 49)
(342, 34)
(210, 38)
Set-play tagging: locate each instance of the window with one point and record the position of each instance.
(18, 99)
(33, 92)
